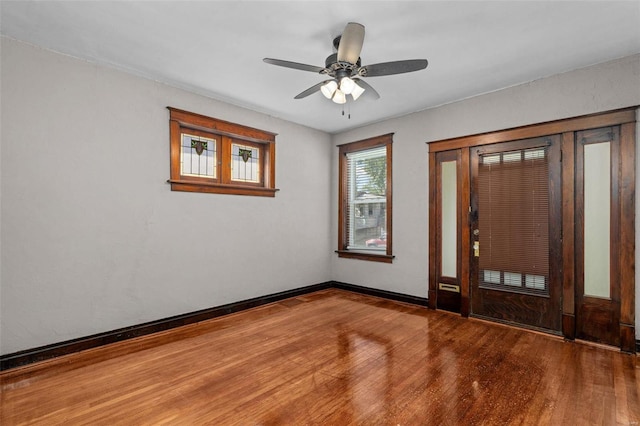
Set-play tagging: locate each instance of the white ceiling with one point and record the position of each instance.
(215, 48)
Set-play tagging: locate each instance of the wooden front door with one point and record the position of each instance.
(515, 220)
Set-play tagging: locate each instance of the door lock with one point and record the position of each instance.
(476, 248)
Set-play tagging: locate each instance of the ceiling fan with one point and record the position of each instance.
(345, 68)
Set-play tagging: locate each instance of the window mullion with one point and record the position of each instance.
(224, 164)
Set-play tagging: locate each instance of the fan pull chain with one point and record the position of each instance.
(348, 111)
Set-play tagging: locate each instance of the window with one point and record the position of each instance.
(365, 200)
(215, 156)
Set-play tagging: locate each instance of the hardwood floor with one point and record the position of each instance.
(332, 358)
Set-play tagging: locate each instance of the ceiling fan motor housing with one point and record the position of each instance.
(332, 66)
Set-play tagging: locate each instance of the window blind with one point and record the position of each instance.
(366, 198)
(513, 216)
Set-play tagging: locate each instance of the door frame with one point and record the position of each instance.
(626, 118)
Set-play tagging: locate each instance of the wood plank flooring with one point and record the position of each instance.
(330, 358)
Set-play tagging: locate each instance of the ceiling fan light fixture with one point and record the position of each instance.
(357, 91)
(347, 85)
(339, 97)
(329, 89)
(343, 72)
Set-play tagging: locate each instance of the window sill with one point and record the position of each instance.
(220, 188)
(384, 258)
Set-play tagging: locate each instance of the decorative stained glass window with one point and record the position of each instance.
(245, 163)
(198, 156)
(218, 157)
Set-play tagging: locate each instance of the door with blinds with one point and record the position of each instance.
(515, 218)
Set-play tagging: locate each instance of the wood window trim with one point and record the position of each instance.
(342, 251)
(228, 132)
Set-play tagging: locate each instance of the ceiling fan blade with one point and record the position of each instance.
(294, 65)
(351, 43)
(390, 68)
(311, 90)
(368, 90)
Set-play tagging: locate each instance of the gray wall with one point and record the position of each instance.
(92, 237)
(594, 89)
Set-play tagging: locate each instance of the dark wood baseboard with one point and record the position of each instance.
(400, 297)
(55, 350)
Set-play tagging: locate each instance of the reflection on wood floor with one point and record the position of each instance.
(331, 358)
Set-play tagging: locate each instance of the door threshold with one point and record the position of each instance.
(599, 345)
(531, 328)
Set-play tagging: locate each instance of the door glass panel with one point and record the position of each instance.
(597, 221)
(513, 279)
(449, 205)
